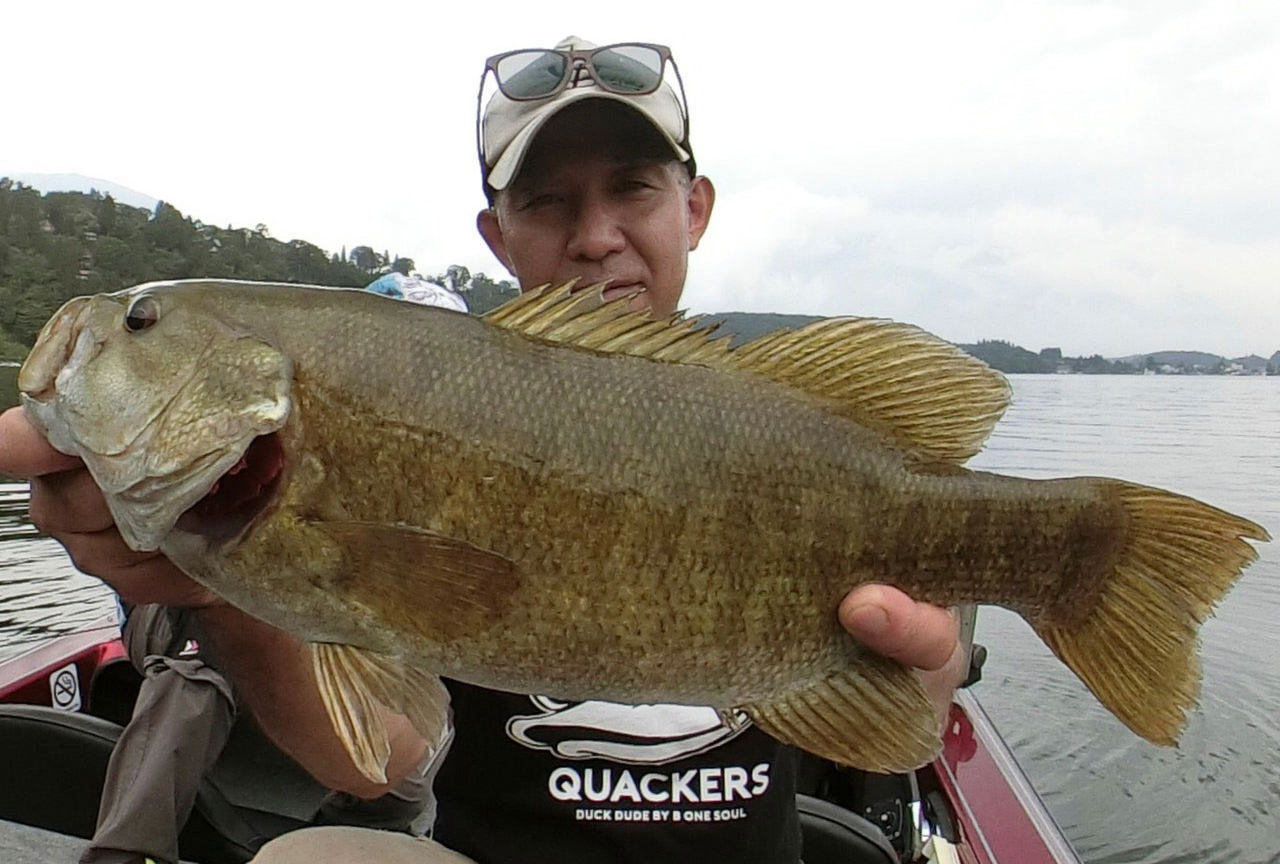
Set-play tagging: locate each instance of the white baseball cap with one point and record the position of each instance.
(508, 126)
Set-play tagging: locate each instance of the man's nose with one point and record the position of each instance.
(597, 232)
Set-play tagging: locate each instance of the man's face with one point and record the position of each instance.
(600, 199)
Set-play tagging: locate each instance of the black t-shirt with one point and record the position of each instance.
(530, 779)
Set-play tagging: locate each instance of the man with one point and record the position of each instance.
(590, 175)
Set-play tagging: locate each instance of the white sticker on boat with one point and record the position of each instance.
(64, 686)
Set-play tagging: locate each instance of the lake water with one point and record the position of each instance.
(41, 594)
(1214, 799)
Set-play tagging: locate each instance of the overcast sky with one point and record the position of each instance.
(1101, 177)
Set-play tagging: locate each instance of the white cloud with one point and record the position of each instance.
(1090, 174)
(1037, 275)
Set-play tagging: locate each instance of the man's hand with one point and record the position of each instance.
(67, 505)
(918, 634)
(270, 668)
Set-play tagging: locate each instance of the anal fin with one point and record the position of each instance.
(356, 684)
(878, 718)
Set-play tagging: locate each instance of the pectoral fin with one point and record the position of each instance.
(418, 581)
(355, 685)
(878, 719)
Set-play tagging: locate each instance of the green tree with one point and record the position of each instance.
(169, 231)
(105, 210)
(366, 259)
(11, 350)
(457, 277)
(1007, 357)
(64, 255)
(124, 263)
(6, 205)
(59, 210)
(485, 294)
(307, 263)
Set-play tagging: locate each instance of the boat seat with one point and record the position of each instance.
(53, 763)
(833, 835)
(52, 767)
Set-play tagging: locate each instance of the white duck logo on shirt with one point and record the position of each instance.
(632, 734)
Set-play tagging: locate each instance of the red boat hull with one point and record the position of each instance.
(60, 673)
(1002, 819)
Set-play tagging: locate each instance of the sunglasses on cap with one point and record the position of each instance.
(625, 69)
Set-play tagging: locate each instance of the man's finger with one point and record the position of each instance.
(68, 502)
(23, 450)
(891, 623)
(138, 577)
(104, 553)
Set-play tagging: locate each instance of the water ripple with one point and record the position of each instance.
(1120, 799)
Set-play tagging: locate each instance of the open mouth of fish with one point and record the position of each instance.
(239, 496)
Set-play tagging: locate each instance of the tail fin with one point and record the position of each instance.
(1137, 649)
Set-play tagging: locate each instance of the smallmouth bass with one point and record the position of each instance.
(568, 498)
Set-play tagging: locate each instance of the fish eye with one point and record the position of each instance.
(142, 313)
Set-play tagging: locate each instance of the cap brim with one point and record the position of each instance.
(508, 164)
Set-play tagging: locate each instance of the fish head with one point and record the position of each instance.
(163, 399)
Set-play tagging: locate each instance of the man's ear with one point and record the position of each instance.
(491, 231)
(702, 197)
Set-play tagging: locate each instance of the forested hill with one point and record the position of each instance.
(58, 245)
(745, 326)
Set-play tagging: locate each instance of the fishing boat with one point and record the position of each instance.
(63, 703)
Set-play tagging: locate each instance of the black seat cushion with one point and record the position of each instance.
(833, 835)
(52, 767)
(52, 764)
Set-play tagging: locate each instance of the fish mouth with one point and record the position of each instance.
(240, 496)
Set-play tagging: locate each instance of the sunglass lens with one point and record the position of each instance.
(628, 68)
(531, 74)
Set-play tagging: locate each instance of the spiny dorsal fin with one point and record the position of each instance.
(922, 391)
(580, 318)
(355, 684)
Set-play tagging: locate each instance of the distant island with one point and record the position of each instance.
(1008, 357)
(61, 244)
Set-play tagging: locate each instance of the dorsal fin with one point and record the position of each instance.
(922, 392)
(581, 318)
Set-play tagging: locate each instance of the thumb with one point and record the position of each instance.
(890, 623)
(24, 452)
